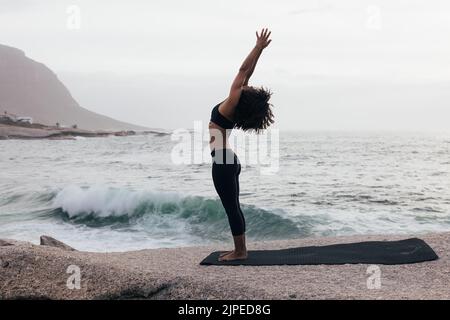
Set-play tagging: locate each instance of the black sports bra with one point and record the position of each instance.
(219, 119)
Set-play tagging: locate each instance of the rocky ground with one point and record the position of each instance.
(41, 272)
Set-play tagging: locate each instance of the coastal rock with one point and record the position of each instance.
(4, 243)
(52, 242)
(34, 272)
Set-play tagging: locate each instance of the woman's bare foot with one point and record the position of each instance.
(233, 255)
(239, 252)
(225, 253)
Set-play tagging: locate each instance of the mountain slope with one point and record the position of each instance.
(29, 88)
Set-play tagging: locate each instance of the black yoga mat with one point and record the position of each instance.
(370, 252)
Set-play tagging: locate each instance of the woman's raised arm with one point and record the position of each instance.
(245, 72)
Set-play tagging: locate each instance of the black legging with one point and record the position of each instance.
(225, 172)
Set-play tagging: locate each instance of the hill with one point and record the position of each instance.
(29, 88)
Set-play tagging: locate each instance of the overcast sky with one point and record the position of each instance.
(337, 65)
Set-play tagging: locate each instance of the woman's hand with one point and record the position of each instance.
(246, 70)
(262, 39)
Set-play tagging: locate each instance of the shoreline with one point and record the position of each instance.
(40, 272)
(38, 132)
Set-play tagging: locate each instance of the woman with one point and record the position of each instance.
(246, 108)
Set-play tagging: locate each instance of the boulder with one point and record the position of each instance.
(52, 242)
(4, 243)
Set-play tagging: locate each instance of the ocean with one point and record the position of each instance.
(126, 193)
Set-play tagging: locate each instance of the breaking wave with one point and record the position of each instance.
(163, 213)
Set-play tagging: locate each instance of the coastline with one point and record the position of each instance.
(39, 272)
(38, 131)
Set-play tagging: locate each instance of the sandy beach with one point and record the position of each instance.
(40, 271)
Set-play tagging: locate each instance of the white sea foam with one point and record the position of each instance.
(104, 201)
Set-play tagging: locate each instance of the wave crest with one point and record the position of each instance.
(163, 213)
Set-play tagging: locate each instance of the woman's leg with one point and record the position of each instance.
(237, 196)
(240, 251)
(225, 177)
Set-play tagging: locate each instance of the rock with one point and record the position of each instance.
(4, 243)
(37, 272)
(52, 242)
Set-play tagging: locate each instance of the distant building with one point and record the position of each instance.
(24, 120)
(8, 117)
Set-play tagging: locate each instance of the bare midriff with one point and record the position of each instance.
(218, 137)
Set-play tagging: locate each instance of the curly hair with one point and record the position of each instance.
(254, 112)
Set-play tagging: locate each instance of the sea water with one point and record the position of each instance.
(125, 193)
